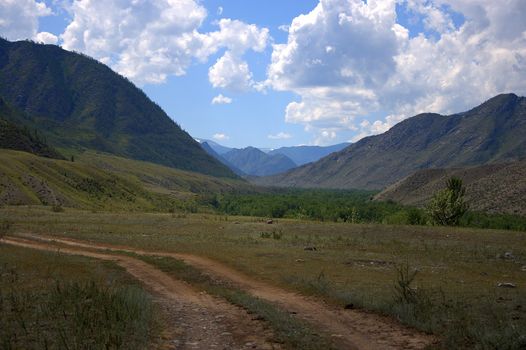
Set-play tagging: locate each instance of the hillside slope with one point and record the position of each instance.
(78, 102)
(102, 181)
(13, 136)
(496, 188)
(255, 162)
(490, 133)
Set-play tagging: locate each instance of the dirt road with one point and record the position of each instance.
(195, 320)
(351, 329)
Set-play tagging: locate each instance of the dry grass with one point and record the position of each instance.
(52, 301)
(458, 269)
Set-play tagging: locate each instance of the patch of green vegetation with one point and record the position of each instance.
(49, 301)
(351, 206)
(291, 332)
(21, 138)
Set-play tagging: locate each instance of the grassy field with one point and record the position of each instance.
(53, 301)
(454, 294)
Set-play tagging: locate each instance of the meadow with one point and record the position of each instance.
(441, 280)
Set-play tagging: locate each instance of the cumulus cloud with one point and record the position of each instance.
(147, 41)
(46, 38)
(230, 72)
(349, 60)
(19, 19)
(280, 136)
(221, 100)
(220, 137)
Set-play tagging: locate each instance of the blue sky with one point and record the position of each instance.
(288, 72)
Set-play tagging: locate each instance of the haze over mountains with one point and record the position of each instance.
(77, 102)
(262, 162)
(490, 133)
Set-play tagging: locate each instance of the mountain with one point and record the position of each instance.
(308, 154)
(206, 146)
(77, 102)
(496, 188)
(13, 136)
(219, 149)
(490, 133)
(253, 161)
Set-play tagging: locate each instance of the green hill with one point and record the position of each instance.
(494, 188)
(490, 133)
(77, 102)
(102, 181)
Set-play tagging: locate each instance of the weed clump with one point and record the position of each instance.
(57, 208)
(5, 227)
(275, 234)
(71, 315)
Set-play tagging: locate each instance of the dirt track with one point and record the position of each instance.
(351, 329)
(195, 320)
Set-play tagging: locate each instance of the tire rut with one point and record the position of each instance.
(350, 329)
(194, 319)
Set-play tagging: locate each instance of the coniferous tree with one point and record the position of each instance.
(448, 205)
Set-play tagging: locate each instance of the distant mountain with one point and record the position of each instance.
(77, 102)
(496, 188)
(13, 136)
(253, 161)
(219, 149)
(307, 154)
(490, 133)
(206, 146)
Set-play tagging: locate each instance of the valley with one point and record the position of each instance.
(120, 230)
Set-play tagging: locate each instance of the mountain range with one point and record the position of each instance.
(490, 133)
(253, 161)
(78, 103)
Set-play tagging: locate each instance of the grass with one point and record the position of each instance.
(51, 301)
(459, 269)
(98, 181)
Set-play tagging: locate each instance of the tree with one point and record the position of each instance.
(448, 205)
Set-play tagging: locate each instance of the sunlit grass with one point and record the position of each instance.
(459, 269)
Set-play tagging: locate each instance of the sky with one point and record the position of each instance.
(272, 73)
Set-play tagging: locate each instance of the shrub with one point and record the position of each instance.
(447, 206)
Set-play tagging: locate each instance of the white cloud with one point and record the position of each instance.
(284, 28)
(230, 72)
(46, 38)
(280, 136)
(350, 61)
(221, 100)
(147, 41)
(220, 137)
(19, 18)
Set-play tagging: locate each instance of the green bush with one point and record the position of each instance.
(448, 205)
